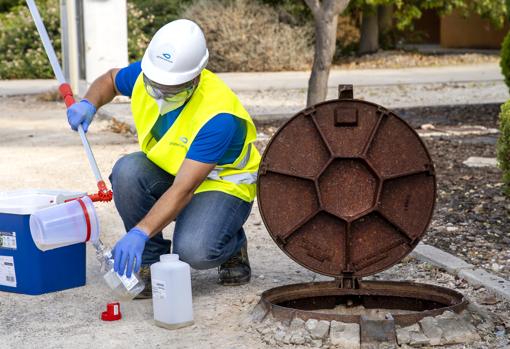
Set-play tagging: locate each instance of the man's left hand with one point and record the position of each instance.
(128, 250)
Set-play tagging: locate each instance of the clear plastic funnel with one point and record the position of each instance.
(65, 224)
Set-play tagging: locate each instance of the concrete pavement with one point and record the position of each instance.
(26, 87)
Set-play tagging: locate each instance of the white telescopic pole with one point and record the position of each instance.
(69, 100)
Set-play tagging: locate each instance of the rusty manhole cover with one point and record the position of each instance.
(346, 188)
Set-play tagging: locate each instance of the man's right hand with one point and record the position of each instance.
(81, 113)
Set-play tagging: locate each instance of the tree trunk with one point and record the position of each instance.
(385, 17)
(325, 41)
(369, 40)
(325, 15)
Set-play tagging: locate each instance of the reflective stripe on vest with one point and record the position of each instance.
(240, 178)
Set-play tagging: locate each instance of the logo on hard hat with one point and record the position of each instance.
(166, 57)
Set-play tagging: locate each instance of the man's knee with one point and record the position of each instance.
(125, 171)
(199, 258)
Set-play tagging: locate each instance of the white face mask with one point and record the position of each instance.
(166, 107)
(168, 104)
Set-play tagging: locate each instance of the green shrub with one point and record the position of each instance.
(22, 53)
(6, 5)
(246, 35)
(21, 50)
(138, 39)
(503, 146)
(505, 59)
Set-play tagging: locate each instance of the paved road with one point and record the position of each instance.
(269, 96)
(299, 80)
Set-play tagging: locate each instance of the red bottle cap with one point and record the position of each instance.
(112, 312)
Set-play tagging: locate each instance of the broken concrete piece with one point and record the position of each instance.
(279, 335)
(432, 330)
(455, 330)
(297, 338)
(403, 335)
(345, 335)
(418, 339)
(297, 323)
(475, 161)
(317, 329)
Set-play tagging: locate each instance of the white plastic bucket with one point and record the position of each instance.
(65, 224)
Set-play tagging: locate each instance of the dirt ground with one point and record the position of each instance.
(407, 59)
(37, 150)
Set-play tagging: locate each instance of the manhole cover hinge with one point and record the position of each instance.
(347, 281)
(345, 92)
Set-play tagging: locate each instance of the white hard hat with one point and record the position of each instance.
(176, 54)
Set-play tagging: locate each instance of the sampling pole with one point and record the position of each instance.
(67, 94)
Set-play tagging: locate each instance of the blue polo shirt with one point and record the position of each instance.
(219, 141)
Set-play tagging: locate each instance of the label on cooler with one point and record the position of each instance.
(158, 289)
(7, 271)
(8, 240)
(129, 283)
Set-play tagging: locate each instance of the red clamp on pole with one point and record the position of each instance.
(103, 195)
(67, 94)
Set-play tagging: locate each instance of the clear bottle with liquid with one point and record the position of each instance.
(124, 288)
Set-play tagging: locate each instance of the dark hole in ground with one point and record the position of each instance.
(355, 304)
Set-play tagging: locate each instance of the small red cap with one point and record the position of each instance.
(112, 312)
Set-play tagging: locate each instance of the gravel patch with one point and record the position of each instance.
(472, 214)
(287, 102)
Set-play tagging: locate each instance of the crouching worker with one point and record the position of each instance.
(197, 163)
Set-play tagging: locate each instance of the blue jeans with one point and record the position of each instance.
(208, 231)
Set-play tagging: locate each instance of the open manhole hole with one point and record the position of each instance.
(347, 189)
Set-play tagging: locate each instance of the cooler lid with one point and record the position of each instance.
(346, 188)
(28, 201)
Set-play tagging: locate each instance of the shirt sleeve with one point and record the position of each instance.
(126, 78)
(213, 139)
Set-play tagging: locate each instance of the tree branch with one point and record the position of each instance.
(314, 6)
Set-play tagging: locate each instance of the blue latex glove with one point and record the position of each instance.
(127, 250)
(81, 113)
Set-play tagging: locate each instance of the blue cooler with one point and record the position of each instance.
(23, 267)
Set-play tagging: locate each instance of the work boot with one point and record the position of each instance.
(145, 275)
(236, 271)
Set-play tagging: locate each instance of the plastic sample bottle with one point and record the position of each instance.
(171, 292)
(124, 288)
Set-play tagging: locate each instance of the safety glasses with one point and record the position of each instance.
(167, 93)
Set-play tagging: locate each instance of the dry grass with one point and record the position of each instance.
(244, 35)
(120, 127)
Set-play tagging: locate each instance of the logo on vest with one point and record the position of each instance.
(166, 57)
(183, 140)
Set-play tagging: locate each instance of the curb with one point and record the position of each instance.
(456, 266)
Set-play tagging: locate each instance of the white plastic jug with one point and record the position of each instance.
(65, 224)
(171, 292)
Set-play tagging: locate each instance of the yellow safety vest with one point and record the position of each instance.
(211, 97)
